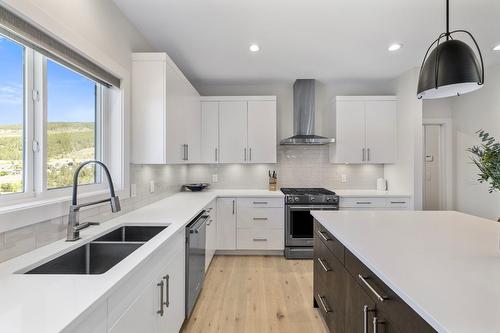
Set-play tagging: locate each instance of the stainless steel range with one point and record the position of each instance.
(299, 222)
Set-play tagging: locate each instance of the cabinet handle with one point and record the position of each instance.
(250, 153)
(185, 152)
(260, 202)
(377, 295)
(325, 267)
(324, 304)
(363, 202)
(363, 155)
(322, 235)
(233, 207)
(260, 239)
(368, 153)
(398, 202)
(366, 309)
(161, 285)
(375, 324)
(260, 218)
(244, 154)
(209, 222)
(216, 157)
(167, 290)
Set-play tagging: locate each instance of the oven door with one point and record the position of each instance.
(300, 224)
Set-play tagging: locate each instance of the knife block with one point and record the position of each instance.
(272, 184)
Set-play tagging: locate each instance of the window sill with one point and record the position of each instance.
(38, 210)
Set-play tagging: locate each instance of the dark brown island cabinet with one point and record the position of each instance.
(351, 298)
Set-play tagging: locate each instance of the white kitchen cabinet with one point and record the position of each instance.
(238, 129)
(374, 203)
(366, 130)
(153, 299)
(211, 233)
(226, 224)
(233, 132)
(262, 131)
(166, 112)
(209, 132)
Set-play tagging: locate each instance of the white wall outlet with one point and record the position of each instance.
(133, 190)
(215, 178)
(151, 186)
(343, 178)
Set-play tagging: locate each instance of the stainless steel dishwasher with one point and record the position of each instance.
(195, 259)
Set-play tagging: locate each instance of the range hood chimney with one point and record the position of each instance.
(304, 94)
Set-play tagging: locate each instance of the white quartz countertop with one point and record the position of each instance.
(445, 265)
(370, 193)
(49, 303)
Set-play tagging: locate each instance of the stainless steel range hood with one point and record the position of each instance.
(303, 116)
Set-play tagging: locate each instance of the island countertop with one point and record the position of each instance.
(445, 265)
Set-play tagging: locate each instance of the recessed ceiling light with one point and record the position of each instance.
(254, 48)
(394, 47)
(496, 48)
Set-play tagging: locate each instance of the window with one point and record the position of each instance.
(12, 117)
(50, 122)
(73, 111)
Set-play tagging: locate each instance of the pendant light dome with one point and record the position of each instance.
(451, 69)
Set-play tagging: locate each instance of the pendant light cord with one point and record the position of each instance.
(447, 19)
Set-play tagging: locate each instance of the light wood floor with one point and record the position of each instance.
(246, 294)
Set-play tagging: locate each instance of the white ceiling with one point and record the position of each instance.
(329, 40)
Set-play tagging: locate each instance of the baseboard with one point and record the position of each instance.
(249, 252)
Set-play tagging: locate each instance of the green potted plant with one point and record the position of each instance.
(486, 156)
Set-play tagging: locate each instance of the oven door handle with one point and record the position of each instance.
(313, 207)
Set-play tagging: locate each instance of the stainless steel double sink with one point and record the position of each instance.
(101, 254)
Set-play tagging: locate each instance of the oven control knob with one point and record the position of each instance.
(297, 199)
(328, 199)
(289, 199)
(312, 199)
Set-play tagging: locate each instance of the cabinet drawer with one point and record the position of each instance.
(397, 312)
(260, 239)
(362, 202)
(397, 202)
(329, 240)
(266, 218)
(261, 202)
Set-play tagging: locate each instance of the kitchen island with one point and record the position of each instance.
(440, 270)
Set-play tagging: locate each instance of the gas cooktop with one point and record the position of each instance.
(309, 196)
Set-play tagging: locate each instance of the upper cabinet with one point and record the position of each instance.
(238, 129)
(366, 130)
(166, 114)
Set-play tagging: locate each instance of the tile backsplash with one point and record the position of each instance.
(305, 166)
(298, 166)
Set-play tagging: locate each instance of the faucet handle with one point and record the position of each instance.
(85, 225)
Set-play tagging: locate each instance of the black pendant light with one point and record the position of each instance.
(451, 69)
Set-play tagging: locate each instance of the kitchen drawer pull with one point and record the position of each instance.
(216, 157)
(260, 202)
(366, 309)
(398, 202)
(363, 202)
(233, 206)
(322, 235)
(260, 239)
(324, 304)
(250, 153)
(209, 222)
(368, 154)
(363, 155)
(363, 279)
(245, 154)
(260, 218)
(375, 324)
(167, 290)
(161, 285)
(325, 267)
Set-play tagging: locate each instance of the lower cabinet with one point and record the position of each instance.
(211, 233)
(351, 298)
(226, 224)
(153, 299)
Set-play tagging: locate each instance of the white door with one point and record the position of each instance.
(262, 131)
(233, 132)
(142, 315)
(226, 224)
(380, 122)
(209, 132)
(432, 167)
(350, 139)
(192, 123)
(176, 117)
(174, 297)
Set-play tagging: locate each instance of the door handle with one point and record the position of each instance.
(250, 153)
(216, 157)
(325, 267)
(366, 309)
(167, 290)
(368, 153)
(363, 155)
(376, 323)
(161, 285)
(244, 154)
(233, 207)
